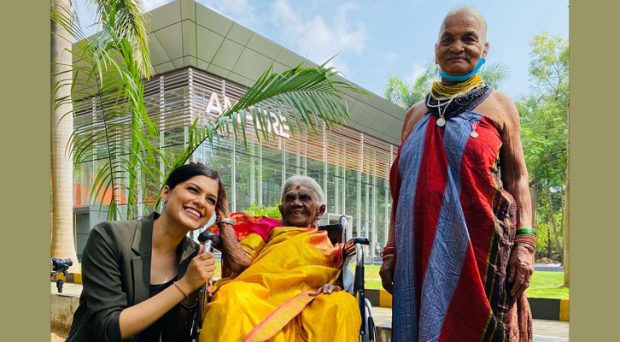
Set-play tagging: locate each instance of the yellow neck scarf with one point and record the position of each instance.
(440, 90)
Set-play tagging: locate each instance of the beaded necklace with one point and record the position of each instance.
(442, 95)
(440, 90)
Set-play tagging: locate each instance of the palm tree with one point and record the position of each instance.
(111, 67)
(62, 239)
(124, 26)
(402, 94)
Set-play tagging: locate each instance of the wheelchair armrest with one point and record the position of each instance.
(361, 240)
(350, 247)
(354, 247)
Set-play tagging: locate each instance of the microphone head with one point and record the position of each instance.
(206, 236)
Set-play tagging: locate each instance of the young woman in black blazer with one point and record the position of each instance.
(140, 277)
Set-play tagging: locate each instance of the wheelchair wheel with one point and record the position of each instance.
(372, 331)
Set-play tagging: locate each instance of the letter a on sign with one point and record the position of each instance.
(214, 105)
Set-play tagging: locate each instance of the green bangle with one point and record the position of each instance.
(522, 231)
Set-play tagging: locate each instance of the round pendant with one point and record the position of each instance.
(441, 122)
(473, 134)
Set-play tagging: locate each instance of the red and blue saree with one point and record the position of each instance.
(453, 234)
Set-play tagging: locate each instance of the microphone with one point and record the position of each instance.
(206, 238)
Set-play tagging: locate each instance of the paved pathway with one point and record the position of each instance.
(544, 331)
(549, 267)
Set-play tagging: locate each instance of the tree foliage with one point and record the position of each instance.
(544, 133)
(110, 68)
(401, 93)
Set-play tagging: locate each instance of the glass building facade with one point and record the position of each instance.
(352, 167)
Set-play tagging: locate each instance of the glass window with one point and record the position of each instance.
(271, 176)
(259, 169)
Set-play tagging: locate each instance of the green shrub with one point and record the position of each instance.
(270, 211)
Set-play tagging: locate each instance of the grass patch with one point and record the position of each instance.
(371, 276)
(544, 284)
(547, 284)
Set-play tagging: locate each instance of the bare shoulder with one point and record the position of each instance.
(413, 115)
(505, 101)
(500, 108)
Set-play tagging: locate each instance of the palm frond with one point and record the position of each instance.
(304, 95)
(395, 90)
(124, 19)
(110, 73)
(66, 19)
(109, 69)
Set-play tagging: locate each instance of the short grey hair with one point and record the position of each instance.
(305, 180)
(471, 11)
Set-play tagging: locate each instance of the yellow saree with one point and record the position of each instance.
(274, 300)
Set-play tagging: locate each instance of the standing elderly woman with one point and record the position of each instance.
(284, 287)
(460, 249)
(140, 277)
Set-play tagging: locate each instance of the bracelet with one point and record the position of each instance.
(225, 220)
(388, 250)
(180, 289)
(526, 239)
(527, 246)
(522, 231)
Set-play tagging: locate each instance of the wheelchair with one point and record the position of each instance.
(352, 283)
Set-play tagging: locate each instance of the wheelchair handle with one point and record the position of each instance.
(359, 255)
(361, 240)
(359, 251)
(344, 223)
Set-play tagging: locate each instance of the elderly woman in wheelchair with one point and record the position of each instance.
(284, 285)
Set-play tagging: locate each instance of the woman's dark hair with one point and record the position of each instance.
(187, 171)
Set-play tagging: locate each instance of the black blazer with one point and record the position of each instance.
(116, 272)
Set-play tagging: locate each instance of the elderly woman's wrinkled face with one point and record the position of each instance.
(300, 206)
(461, 44)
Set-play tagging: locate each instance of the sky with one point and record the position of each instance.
(372, 40)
